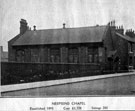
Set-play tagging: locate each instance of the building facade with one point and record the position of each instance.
(105, 45)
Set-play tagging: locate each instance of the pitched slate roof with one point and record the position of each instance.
(130, 39)
(60, 36)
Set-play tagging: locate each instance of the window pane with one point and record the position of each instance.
(71, 58)
(52, 58)
(95, 58)
(90, 58)
(93, 55)
(75, 58)
(55, 55)
(73, 55)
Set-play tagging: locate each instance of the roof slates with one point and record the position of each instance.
(60, 36)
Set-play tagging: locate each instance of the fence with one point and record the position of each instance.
(14, 73)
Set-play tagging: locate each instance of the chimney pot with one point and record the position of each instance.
(64, 25)
(34, 27)
(113, 22)
(119, 27)
(109, 23)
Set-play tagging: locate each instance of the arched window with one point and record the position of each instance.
(73, 55)
(93, 56)
(55, 55)
(35, 55)
(20, 55)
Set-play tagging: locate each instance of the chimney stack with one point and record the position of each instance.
(64, 25)
(112, 24)
(120, 29)
(130, 33)
(23, 26)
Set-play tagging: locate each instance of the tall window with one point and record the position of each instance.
(73, 55)
(35, 55)
(93, 56)
(55, 55)
(90, 55)
(20, 55)
(131, 47)
(100, 53)
(130, 60)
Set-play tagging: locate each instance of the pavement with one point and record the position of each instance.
(112, 84)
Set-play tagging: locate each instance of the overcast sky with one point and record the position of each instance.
(47, 14)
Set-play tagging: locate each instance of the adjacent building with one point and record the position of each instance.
(3, 55)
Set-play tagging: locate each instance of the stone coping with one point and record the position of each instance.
(14, 87)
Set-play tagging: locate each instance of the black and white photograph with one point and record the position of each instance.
(54, 48)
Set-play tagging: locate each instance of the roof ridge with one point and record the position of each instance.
(70, 28)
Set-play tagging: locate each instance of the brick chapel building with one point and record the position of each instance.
(106, 45)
